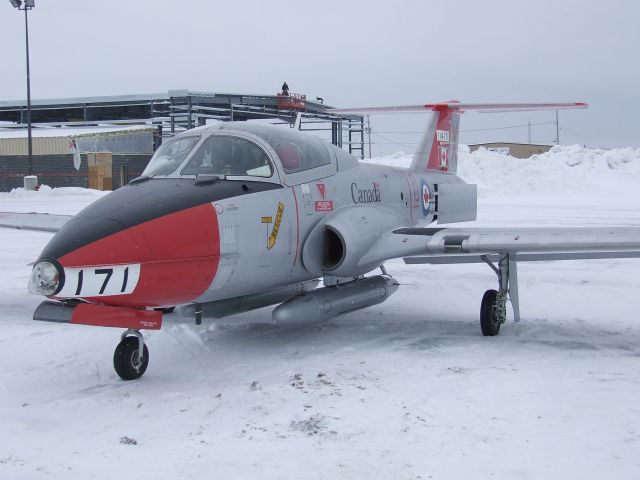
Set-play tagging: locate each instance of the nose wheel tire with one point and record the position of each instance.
(490, 318)
(126, 360)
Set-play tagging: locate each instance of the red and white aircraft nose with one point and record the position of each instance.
(167, 260)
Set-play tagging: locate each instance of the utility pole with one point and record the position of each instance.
(29, 140)
(557, 129)
(529, 133)
(27, 5)
(369, 134)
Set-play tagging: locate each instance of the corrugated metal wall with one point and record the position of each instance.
(129, 142)
(136, 141)
(41, 146)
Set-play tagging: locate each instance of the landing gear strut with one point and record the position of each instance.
(493, 309)
(131, 357)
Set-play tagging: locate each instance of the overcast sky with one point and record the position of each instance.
(351, 53)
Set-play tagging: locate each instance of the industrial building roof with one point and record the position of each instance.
(69, 131)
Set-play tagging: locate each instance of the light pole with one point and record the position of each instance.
(27, 5)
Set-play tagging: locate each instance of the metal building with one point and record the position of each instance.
(65, 157)
(518, 150)
(57, 141)
(178, 110)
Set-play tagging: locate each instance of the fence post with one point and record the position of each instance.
(124, 175)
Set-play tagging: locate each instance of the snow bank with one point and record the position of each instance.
(398, 159)
(62, 201)
(570, 170)
(46, 191)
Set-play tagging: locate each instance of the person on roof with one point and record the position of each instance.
(285, 89)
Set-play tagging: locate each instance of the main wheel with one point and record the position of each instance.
(489, 321)
(125, 359)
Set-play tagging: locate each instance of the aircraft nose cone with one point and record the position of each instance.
(136, 254)
(76, 241)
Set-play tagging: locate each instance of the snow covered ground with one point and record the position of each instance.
(405, 390)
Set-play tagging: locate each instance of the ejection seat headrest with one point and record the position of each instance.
(288, 156)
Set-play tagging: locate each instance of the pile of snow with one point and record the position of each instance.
(573, 170)
(61, 201)
(47, 191)
(570, 169)
(398, 159)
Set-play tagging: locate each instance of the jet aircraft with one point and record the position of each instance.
(236, 216)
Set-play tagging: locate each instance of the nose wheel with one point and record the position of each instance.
(131, 356)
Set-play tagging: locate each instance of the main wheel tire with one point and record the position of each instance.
(125, 359)
(489, 322)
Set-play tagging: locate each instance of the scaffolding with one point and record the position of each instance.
(180, 110)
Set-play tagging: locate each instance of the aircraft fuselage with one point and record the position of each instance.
(168, 241)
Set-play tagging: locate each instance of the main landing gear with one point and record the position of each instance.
(131, 357)
(493, 309)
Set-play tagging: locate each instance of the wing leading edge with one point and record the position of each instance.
(461, 245)
(468, 245)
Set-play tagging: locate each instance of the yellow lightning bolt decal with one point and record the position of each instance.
(276, 226)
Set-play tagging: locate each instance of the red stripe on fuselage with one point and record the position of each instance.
(295, 199)
(178, 253)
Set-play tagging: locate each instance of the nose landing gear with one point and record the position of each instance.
(131, 356)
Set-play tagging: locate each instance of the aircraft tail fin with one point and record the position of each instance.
(438, 148)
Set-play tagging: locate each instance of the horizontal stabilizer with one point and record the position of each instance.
(438, 148)
(461, 107)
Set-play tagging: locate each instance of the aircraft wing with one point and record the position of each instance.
(460, 245)
(503, 248)
(470, 245)
(43, 222)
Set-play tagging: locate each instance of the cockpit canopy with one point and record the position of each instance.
(297, 151)
(240, 149)
(170, 155)
(222, 155)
